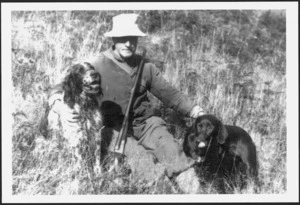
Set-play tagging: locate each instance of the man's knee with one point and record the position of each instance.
(156, 121)
(142, 162)
(150, 134)
(157, 139)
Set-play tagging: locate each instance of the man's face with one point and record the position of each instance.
(125, 46)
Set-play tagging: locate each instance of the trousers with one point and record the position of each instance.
(149, 143)
(154, 136)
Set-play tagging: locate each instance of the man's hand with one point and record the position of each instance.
(197, 111)
(57, 105)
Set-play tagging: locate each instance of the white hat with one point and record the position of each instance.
(125, 25)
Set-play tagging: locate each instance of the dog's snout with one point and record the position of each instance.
(85, 81)
(92, 82)
(201, 141)
(201, 145)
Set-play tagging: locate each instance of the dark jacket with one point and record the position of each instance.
(117, 85)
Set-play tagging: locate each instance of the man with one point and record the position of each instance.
(117, 67)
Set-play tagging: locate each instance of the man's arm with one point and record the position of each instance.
(171, 96)
(55, 93)
(57, 105)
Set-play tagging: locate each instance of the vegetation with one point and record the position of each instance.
(232, 63)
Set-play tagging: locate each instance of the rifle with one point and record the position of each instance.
(121, 140)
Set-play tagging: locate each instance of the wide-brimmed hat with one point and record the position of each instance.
(125, 25)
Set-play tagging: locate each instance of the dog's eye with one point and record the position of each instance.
(199, 125)
(210, 128)
(94, 74)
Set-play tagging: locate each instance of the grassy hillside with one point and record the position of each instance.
(232, 63)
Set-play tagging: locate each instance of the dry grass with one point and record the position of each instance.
(45, 43)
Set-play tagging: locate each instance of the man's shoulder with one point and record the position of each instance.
(138, 57)
(148, 63)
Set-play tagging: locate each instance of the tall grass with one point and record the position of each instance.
(248, 94)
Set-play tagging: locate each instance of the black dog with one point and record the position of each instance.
(222, 151)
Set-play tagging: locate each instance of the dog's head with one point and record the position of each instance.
(206, 130)
(81, 80)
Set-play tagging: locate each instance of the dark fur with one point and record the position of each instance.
(74, 83)
(228, 150)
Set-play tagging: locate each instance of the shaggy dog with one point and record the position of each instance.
(222, 151)
(81, 87)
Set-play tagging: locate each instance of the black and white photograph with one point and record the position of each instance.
(150, 102)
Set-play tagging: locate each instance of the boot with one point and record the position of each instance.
(188, 182)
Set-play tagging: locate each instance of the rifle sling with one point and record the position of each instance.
(125, 67)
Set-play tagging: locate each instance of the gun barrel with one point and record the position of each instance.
(120, 144)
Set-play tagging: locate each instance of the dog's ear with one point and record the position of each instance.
(72, 87)
(222, 135)
(186, 147)
(43, 122)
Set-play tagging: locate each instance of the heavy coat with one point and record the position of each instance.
(117, 85)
